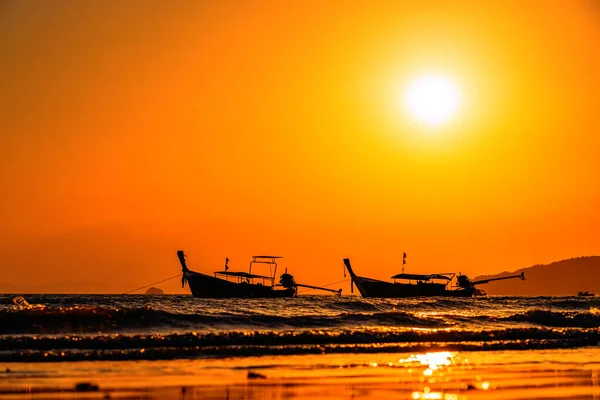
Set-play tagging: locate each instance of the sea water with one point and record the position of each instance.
(170, 346)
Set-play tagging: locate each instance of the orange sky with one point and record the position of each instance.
(132, 129)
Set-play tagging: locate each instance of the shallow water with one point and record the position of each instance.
(518, 374)
(311, 346)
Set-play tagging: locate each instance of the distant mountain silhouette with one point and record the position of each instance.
(561, 278)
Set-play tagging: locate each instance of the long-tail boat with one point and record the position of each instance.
(231, 284)
(418, 285)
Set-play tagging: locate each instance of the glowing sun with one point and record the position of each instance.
(432, 99)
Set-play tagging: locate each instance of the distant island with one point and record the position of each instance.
(154, 290)
(560, 278)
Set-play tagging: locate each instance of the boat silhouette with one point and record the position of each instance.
(586, 294)
(231, 284)
(419, 285)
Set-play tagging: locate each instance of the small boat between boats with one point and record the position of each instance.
(420, 285)
(231, 284)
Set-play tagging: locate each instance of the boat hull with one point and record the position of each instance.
(206, 286)
(374, 288)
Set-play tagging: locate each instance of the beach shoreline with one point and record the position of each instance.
(522, 374)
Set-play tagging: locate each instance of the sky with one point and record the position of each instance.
(129, 130)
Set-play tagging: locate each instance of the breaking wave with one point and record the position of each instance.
(39, 319)
(90, 319)
(242, 343)
(55, 328)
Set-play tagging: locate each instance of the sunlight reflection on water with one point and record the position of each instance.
(435, 361)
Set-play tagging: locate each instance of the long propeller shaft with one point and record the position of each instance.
(520, 276)
(338, 292)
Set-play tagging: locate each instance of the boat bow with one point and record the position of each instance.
(184, 268)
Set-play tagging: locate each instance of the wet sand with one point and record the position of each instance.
(527, 374)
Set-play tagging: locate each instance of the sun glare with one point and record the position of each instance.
(432, 99)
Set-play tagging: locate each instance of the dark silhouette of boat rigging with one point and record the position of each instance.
(418, 285)
(229, 284)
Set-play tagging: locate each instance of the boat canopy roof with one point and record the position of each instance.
(418, 277)
(242, 275)
(264, 259)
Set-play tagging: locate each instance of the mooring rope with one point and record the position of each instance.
(143, 287)
(330, 284)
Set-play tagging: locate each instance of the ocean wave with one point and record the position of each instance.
(588, 319)
(242, 343)
(41, 319)
(546, 318)
(125, 328)
(81, 319)
(542, 318)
